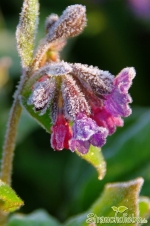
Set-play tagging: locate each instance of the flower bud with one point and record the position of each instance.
(70, 24)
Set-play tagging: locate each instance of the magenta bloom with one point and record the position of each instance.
(105, 119)
(86, 104)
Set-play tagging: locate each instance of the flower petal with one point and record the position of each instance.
(79, 145)
(86, 132)
(116, 103)
(61, 134)
(99, 139)
(84, 128)
(103, 118)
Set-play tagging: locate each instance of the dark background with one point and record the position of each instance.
(117, 35)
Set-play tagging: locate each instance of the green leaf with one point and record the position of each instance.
(121, 209)
(115, 194)
(114, 208)
(144, 207)
(9, 201)
(26, 31)
(125, 195)
(24, 129)
(38, 217)
(43, 120)
(95, 157)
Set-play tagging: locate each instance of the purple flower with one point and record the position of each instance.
(86, 132)
(117, 101)
(91, 100)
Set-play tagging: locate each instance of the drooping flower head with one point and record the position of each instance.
(86, 104)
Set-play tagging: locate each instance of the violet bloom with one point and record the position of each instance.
(86, 132)
(117, 101)
(85, 104)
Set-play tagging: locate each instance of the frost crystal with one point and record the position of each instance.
(99, 81)
(86, 104)
(50, 21)
(43, 92)
(71, 23)
(74, 100)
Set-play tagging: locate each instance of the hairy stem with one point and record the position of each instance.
(9, 144)
(11, 132)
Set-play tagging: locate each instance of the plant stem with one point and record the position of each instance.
(8, 149)
(11, 132)
(9, 144)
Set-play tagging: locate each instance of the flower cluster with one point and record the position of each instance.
(86, 104)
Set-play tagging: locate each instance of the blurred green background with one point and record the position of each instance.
(117, 35)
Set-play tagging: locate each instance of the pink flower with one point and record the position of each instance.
(105, 119)
(61, 134)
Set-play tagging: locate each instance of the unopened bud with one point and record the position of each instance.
(71, 23)
(50, 21)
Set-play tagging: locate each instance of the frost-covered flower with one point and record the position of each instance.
(85, 103)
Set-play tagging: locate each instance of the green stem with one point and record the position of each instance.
(9, 144)
(10, 138)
